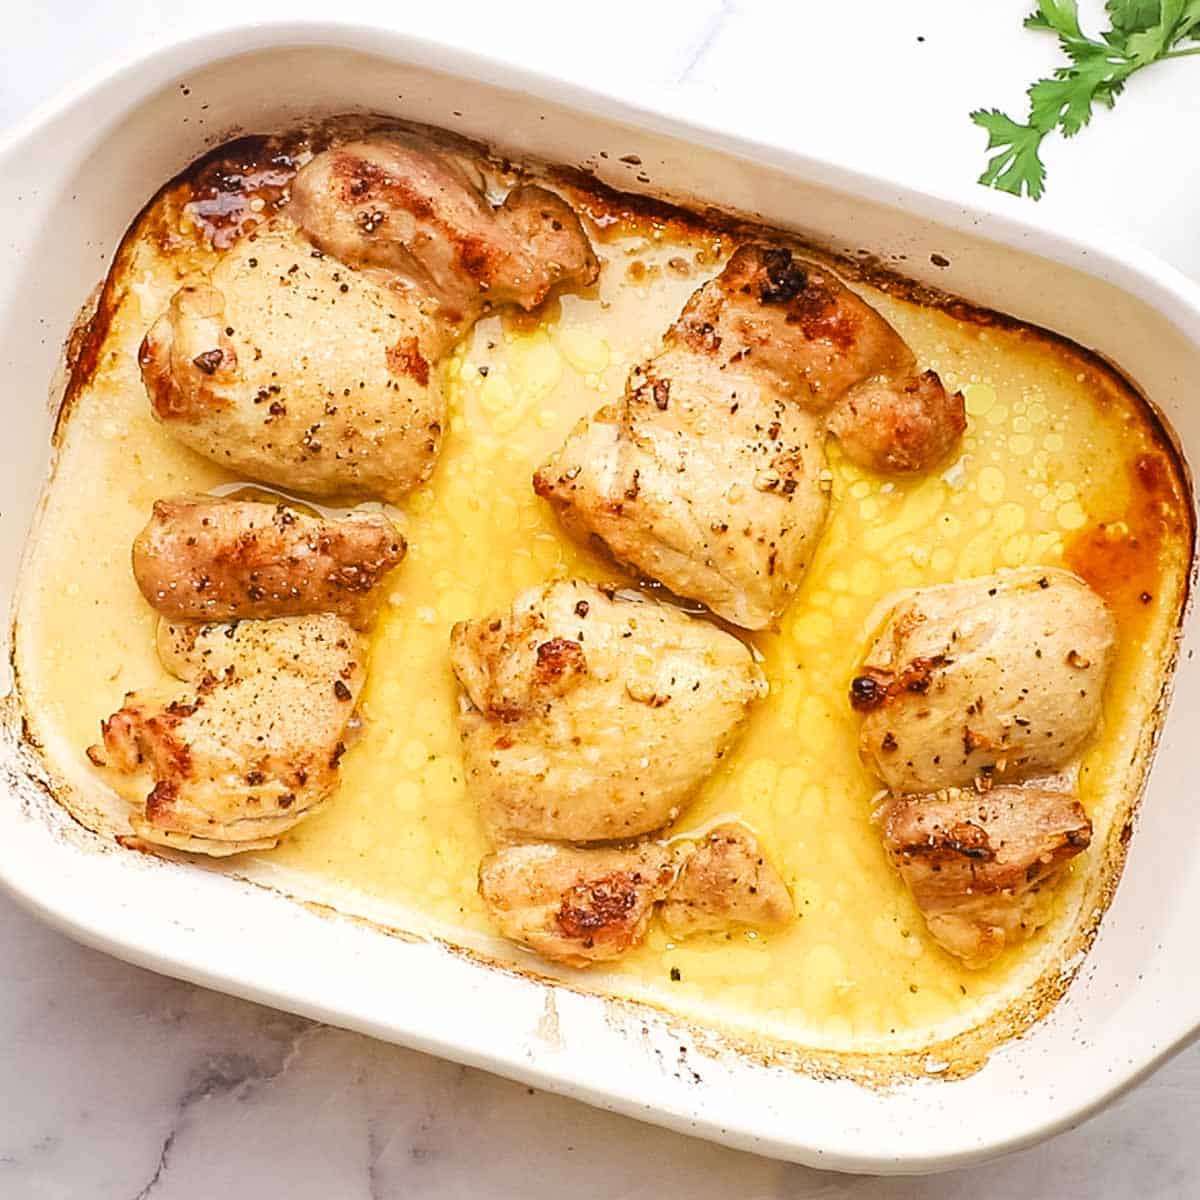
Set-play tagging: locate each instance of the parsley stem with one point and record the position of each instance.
(1181, 53)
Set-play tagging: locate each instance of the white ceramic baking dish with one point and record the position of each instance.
(70, 180)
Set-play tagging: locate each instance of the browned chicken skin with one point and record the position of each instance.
(390, 250)
(968, 684)
(976, 862)
(200, 558)
(580, 905)
(816, 339)
(706, 475)
(898, 425)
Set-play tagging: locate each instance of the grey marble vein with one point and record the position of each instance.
(709, 35)
(228, 1073)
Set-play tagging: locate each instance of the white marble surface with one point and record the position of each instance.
(118, 1083)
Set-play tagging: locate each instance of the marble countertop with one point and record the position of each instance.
(115, 1082)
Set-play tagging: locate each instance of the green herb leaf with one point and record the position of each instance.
(1132, 16)
(1142, 32)
(1059, 15)
(1017, 168)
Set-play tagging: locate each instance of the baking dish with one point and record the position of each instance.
(75, 175)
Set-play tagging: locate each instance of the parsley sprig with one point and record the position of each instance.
(1142, 32)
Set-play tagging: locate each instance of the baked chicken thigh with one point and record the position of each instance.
(726, 880)
(412, 215)
(979, 864)
(252, 746)
(593, 715)
(579, 905)
(999, 677)
(274, 668)
(234, 370)
(706, 474)
(970, 688)
(576, 905)
(201, 558)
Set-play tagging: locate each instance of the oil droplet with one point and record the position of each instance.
(979, 398)
(991, 485)
(1010, 519)
(1071, 515)
(496, 394)
(537, 367)
(585, 350)
(1016, 550)
(948, 525)
(864, 578)
(413, 755)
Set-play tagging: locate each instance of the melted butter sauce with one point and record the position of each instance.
(1060, 466)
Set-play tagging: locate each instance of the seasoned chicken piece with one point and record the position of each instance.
(706, 475)
(252, 747)
(724, 881)
(201, 558)
(590, 715)
(297, 371)
(898, 425)
(979, 865)
(575, 905)
(698, 494)
(774, 318)
(997, 678)
(289, 366)
(833, 353)
(414, 213)
(579, 905)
